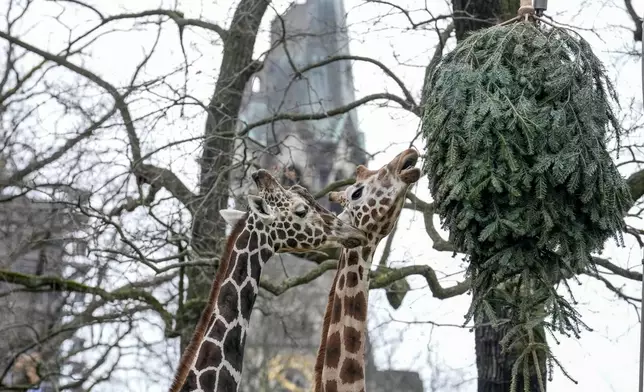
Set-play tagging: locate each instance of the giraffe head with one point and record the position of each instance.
(374, 201)
(292, 219)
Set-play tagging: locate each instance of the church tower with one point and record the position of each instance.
(317, 151)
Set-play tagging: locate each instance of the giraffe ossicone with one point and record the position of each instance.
(373, 204)
(277, 220)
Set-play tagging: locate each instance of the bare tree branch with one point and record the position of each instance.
(617, 270)
(55, 283)
(146, 173)
(384, 278)
(637, 33)
(410, 103)
(381, 278)
(414, 25)
(176, 17)
(119, 99)
(36, 165)
(330, 113)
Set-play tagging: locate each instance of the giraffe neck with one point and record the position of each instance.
(217, 364)
(340, 363)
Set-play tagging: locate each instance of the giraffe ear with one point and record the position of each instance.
(232, 216)
(259, 207)
(361, 171)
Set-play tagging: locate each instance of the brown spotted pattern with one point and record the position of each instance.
(372, 204)
(286, 220)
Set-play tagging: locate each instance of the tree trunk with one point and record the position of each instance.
(494, 366)
(471, 15)
(208, 234)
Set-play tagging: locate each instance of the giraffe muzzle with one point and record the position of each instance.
(350, 237)
(351, 243)
(407, 169)
(264, 180)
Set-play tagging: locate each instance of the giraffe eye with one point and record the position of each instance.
(301, 211)
(357, 193)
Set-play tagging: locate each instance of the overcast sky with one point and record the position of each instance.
(603, 360)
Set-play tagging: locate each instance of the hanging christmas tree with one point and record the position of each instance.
(516, 123)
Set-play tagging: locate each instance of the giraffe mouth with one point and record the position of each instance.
(408, 171)
(349, 236)
(264, 180)
(351, 243)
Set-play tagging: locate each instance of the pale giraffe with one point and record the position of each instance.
(372, 204)
(278, 220)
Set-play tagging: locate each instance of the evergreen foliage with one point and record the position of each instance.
(516, 124)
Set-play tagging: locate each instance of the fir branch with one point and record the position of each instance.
(516, 122)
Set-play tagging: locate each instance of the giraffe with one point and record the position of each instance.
(372, 204)
(278, 220)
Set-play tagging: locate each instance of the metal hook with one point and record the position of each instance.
(540, 6)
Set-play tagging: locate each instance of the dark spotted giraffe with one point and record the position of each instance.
(278, 220)
(372, 204)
